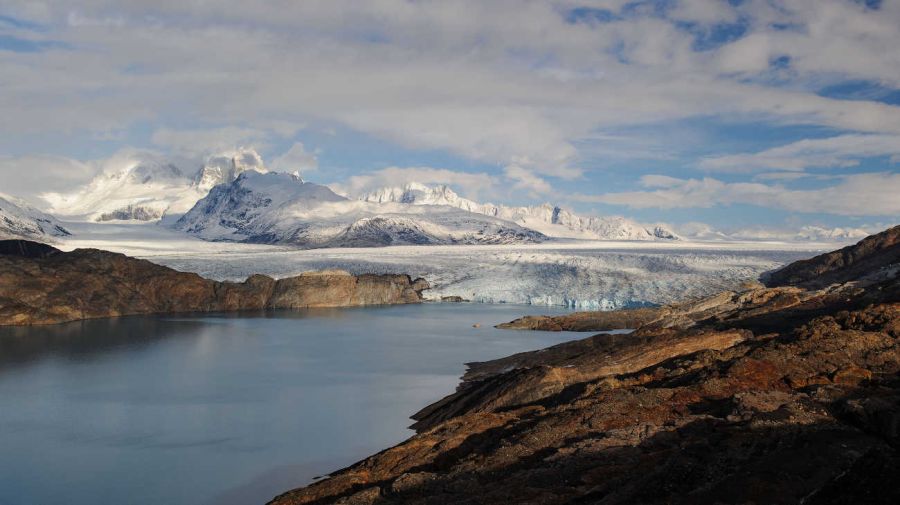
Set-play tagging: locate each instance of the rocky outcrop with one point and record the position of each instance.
(868, 257)
(42, 285)
(768, 395)
(338, 288)
(587, 321)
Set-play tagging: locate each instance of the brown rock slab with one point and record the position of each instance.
(46, 286)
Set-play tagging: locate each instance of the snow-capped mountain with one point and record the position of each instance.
(548, 219)
(282, 208)
(822, 234)
(20, 220)
(420, 194)
(146, 186)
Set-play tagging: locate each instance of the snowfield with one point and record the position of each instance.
(577, 274)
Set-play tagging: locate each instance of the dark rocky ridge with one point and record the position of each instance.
(769, 395)
(869, 256)
(42, 285)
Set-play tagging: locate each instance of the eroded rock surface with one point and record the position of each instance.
(42, 285)
(769, 395)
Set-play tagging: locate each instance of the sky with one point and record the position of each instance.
(736, 113)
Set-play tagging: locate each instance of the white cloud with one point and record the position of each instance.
(839, 151)
(205, 141)
(704, 11)
(28, 176)
(509, 83)
(494, 81)
(297, 158)
(868, 194)
(525, 179)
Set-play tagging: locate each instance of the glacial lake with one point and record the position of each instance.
(227, 409)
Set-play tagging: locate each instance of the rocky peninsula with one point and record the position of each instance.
(785, 393)
(40, 284)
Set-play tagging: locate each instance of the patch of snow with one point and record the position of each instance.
(20, 220)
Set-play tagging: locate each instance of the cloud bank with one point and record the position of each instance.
(535, 92)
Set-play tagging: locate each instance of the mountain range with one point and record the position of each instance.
(145, 186)
(548, 219)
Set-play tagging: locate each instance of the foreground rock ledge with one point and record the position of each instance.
(772, 395)
(43, 285)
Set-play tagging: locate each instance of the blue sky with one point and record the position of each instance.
(734, 113)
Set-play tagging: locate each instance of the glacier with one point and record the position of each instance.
(575, 274)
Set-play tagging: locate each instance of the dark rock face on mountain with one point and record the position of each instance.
(769, 395)
(132, 212)
(42, 285)
(869, 256)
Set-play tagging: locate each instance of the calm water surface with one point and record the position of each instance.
(227, 409)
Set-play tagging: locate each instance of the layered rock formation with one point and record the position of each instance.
(42, 285)
(769, 395)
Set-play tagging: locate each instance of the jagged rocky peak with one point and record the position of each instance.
(226, 167)
(248, 208)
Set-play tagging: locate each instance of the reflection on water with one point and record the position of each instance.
(225, 409)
